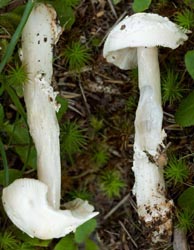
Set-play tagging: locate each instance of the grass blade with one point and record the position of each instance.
(17, 34)
(5, 164)
(16, 101)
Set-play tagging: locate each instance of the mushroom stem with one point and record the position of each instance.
(153, 207)
(148, 70)
(38, 37)
(149, 115)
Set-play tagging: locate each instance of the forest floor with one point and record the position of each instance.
(103, 92)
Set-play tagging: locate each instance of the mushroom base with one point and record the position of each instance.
(154, 210)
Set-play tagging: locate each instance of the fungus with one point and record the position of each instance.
(133, 42)
(26, 204)
(33, 205)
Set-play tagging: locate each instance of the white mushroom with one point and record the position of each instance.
(130, 43)
(26, 204)
(33, 205)
(38, 38)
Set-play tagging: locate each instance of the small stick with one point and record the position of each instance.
(112, 8)
(132, 240)
(84, 98)
(116, 207)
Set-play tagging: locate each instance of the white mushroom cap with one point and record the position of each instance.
(25, 202)
(140, 30)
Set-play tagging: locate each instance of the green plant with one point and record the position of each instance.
(65, 11)
(133, 75)
(189, 3)
(185, 19)
(97, 124)
(189, 57)
(17, 76)
(111, 183)
(176, 170)
(76, 56)
(185, 219)
(63, 107)
(82, 194)
(72, 139)
(8, 241)
(21, 142)
(100, 155)
(185, 200)
(131, 104)
(16, 35)
(141, 5)
(25, 246)
(184, 114)
(171, 88)
(81, 236)
(4, 3)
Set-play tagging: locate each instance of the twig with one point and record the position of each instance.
(112, 8)
(116, 207)
(130, 237)
(84, 98)
(69, 95)
(75, 110)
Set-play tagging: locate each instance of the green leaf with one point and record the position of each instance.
(65, 11)
(13, 175)
(141, 5)
(68, 19)
(66, 243)
(189, 62)
(91, 245)
(185, 200)
(85, 230)
(25, 246)
(3, 3)
(20, 138)
(33, 242)
(64, 106)
(5, 163)
(184, 115)
(115, 2)
(15, 100)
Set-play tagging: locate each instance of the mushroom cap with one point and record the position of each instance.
(25, 202)
(140, 30)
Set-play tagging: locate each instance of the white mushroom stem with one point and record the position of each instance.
(149, 188)
(148, 70)
(148, 123)
(38, 38)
